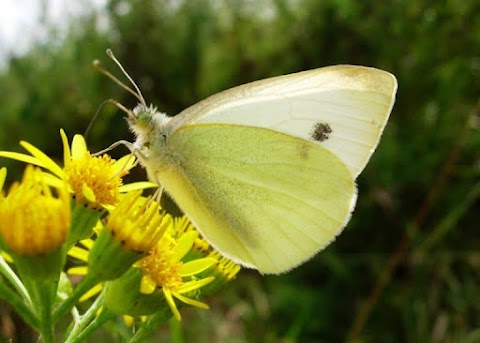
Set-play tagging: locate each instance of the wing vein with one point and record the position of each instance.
(237, 177)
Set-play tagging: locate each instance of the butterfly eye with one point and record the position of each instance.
(143, 119)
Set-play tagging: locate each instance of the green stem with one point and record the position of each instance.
(89, 322)
(43, 296)
(152, 323)
(10, 275)
(66, 306)
(40, 275)
(101, 319)
(175, 327)
(20, 307)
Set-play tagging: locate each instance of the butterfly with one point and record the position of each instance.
(266, 171)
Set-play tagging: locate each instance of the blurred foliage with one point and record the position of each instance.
(407, 267)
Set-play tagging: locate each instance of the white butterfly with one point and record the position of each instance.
(266, 171)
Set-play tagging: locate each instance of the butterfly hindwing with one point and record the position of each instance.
(263, 198)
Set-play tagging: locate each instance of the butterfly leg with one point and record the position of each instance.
(125, 143)
(158, 193)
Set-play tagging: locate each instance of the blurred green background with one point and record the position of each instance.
(407, 267)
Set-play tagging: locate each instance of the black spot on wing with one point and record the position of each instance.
(320, 132)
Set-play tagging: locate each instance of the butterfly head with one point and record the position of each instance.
(147, 124)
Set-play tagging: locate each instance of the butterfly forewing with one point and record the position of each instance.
(344, 108)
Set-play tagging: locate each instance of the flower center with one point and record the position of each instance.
(94, 179)
(162, 266)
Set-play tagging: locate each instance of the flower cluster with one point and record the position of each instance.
(133, 258)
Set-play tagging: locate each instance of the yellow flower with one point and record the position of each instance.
(32, 220)
(224, 269)
(181, 264)
(137, 222)
(131, 230)
(164, 268)
(94, 180)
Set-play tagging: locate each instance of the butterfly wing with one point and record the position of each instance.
(266, 199)
(343, 108)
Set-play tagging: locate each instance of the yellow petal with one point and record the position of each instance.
(77, 270)
(88, 193)
(78, 253)
(184, 244)
(53, 180)
(22, 158)
(128, 320)
(6, 256)
(3, 176)
(135, 186)
(189, 301)
(124, 163)
(45, 161)
(79, 147)
(171, 303)
(147, 285)
(91, 292)
(66, 148)
(88, 243)
(193, 285)
(196, 266)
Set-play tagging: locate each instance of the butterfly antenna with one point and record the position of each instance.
(109, 101)
(97, 113)
(138, 94)
(98, 65)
